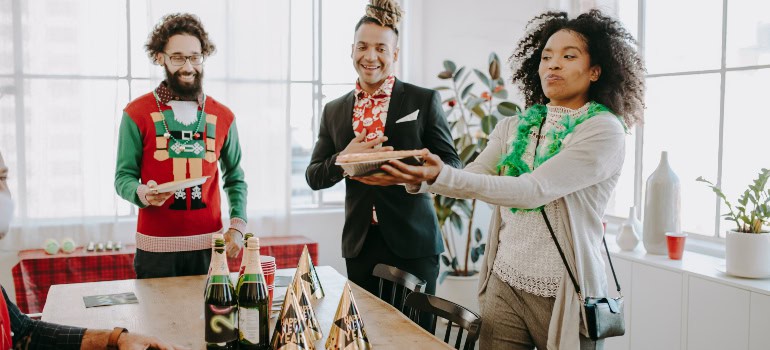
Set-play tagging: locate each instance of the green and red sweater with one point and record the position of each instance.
(143, 155)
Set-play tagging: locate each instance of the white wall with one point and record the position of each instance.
(324, 227)
(463, 31)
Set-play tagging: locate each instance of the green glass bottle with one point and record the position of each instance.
(221, 305)
(253, 302)
(214, 238)
(245, 256)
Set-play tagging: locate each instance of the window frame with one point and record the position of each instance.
(20, 79)
(639, 134)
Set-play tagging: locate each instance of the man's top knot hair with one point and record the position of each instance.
(386, 12)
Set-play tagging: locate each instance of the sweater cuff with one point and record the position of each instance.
(141, 192)
(238, 224)
(415, 189)
(441, 180)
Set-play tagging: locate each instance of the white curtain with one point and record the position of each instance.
(83, 61)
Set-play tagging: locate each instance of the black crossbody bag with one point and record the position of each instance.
(604, 316)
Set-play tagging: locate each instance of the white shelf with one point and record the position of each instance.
(700, 265)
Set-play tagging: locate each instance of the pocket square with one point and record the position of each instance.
(409, 118)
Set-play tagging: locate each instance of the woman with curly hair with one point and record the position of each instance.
(560, 159)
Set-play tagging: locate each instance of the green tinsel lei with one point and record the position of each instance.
(512, 164)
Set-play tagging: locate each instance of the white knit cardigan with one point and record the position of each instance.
(582, 175)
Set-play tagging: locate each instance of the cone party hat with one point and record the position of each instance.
(347, 332)
(312, 326)
(307, 273)
(289, 333)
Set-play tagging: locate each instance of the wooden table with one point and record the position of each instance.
(172, 309)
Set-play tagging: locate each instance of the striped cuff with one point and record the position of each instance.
(238, 224)
(142, 191)
(173, 244)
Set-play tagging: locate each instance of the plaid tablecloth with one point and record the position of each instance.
(37, 271)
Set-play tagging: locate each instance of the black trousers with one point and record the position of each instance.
(172, 264)
(375, 251)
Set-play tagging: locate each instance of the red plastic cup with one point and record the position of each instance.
(675, 242)
(270, 297)
(268, 268)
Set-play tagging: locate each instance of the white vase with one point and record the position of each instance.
(747, 254)
(634, 221)
(627, 239)
(662, 207)
(461, 290)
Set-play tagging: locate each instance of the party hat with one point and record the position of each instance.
(306, 272)
(347, 332)
(312, 327)
(289, 333)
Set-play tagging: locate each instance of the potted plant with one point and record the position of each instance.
(471, 119)
(747, 252)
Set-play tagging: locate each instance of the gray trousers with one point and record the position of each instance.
(517, 320)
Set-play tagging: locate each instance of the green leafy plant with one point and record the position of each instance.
(471, 119)
(753, 209)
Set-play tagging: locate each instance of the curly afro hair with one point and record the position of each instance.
(621, 84)
(178, 23)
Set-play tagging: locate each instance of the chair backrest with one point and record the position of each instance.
(468, 320)
(407, 282)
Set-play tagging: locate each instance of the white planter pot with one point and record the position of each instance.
(748, 254)
(461, 290)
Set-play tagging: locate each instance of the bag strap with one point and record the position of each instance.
(561, 253)
(564, 259)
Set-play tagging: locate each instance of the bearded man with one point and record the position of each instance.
(177, 133)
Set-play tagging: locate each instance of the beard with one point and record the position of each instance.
(185, 90)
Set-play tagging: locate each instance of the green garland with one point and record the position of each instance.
(512, 164)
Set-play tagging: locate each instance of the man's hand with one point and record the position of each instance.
(155, 198)
(134, 341)
(233, 242)
(358, 145)
(97, 339)
(412, 174)
(379, 180)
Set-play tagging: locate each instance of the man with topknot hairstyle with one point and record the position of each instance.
(383, 224)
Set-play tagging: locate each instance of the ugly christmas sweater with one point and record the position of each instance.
(153, 145)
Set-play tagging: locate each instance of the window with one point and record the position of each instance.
(325, 32)
(69, 67)
(706, 72)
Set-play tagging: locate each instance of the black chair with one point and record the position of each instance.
(421, 303)
(408, 282)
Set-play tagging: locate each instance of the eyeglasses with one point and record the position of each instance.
(178, 60)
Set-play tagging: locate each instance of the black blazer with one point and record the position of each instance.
(407, 222)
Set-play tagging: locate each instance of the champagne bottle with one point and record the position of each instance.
(253, 302)
(245, 256)
(221, 305)
(214, 238)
